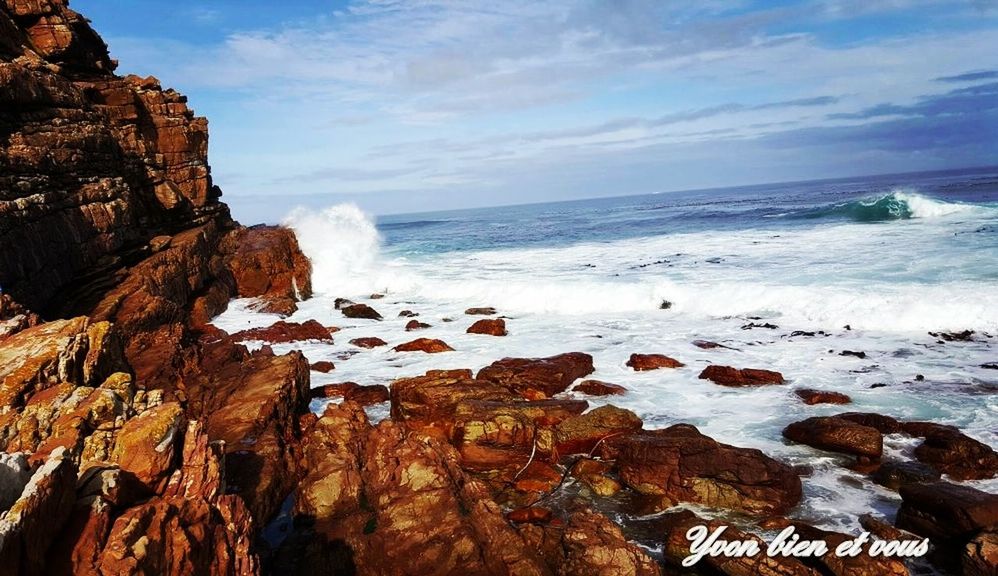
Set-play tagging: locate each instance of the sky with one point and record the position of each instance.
(417, 105)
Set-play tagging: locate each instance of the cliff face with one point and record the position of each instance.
(92, 166)
(134, 438)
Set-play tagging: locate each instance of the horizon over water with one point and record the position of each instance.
(787, 276)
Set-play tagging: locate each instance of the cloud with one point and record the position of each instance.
(970, 76)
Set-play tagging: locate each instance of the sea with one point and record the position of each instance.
(786, 277)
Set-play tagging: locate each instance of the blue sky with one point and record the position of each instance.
(414, 105)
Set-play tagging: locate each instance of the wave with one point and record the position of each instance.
(897, 205)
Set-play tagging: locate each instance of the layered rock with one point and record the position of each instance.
(539, 377)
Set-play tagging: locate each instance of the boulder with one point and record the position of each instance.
(728, 376)
(599, 388)
(952, 452)
(428, 345)
(538, 378)
(811, 396)
(837, 435)
(949, 514)
(281, 332)
(145, 447)
(642, 362)
(496, 327)
(428, 402)
(415, 325)
(266, 262)
(323, 366)
(368, 342)
(360, 311)
(679, 464)
(489, 311)
(581, 434)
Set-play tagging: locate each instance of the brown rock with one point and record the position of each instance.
(642, 362)
(489, 311)
(885, 424)
(360, 311)
(862, 565)
(281, 332)
(980, 555)
(893, 474)
(949, 514)
(353, 392)
(429, 402)
(146, 445)
(811, 396)
(595, 475)
(952, 452)
(679, 464)
(496, 327)
(530, 515)
(599, 388)
(369, 342)
(408, 314)
(837, 435)
(582, 434)
(538, 378)
(590, 544)
(266, 261)
(415, 325)
(428, 345)
(323, 366)
(728, 376)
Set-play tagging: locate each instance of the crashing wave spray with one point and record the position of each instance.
(900, 204)
(343, 244)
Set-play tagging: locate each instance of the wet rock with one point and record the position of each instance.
(428, 345)
(595, 474)
(754, 325)
(949, 514)
(728, 376)
(341, 303)
(583, 433)
(853, 353)
(952, 452)
(281, 332)
(837, 435)
(376, 296)
(811, 396)
(893, 474)
(980, 555)
(415, 325)
(353, 392)
(323, 366)
(679, 464)
(965, 336)
(990, 366)
(599, 388)
(495, 327)
(488, 311)
(884, 424)
(538, 378)
(530, 515)
(642, 362)
(708, 345)
(360, 311)
(594, 545)
(368, 342)
(408, 314)
(864, 564)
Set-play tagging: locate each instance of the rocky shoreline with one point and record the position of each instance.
(137, 438)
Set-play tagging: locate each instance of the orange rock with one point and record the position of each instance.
(280, 332)
(146, 445)
(531, 515)
(641, 362)
(428, 345)
(545, 376)
(496, 327)
(728, 376)
(369, 342)
(599, 388)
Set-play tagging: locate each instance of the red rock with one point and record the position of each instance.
(952, 452)
(581, 434)
(530, 515)
(281, 332)
(428, 345)
(837, 435)
(884, 424)
(428, 402)
(360, 311)
(369, 342)
(496, 327)
(728, 376)
(489, 311)
(323, 366)
(599, 388)
(338, 390)
(146, 445)
(642, 362)
(947, 513)
(415, 325)
(266, 261)
(811, 396)
(678, 464)
(539, 377)
(595, 475)
(980, 555)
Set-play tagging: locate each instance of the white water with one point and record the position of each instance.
(891, 283)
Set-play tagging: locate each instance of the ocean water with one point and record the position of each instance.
(870, 264)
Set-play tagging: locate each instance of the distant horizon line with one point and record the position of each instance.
(968, 169)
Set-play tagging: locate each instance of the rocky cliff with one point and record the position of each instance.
(134, 439)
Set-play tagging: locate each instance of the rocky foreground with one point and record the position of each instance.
(135, 438)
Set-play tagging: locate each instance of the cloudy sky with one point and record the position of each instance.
(410, 105)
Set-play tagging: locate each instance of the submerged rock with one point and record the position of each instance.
(415, 325)
(811, 396)
(642, 362)
(281, 332)
(360, 311)
(428, 345)
(837, 435)
(489, 311)
(368, 342)
(599, 388)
